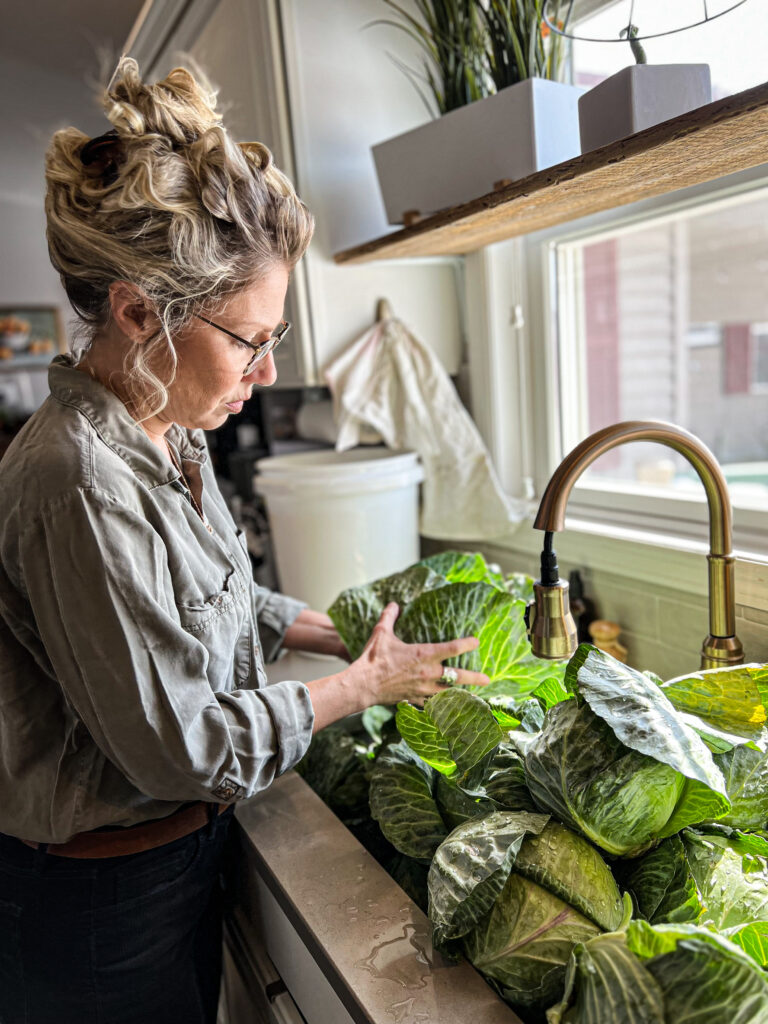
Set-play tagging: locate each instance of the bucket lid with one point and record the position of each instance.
(326, 463)
(326, 471)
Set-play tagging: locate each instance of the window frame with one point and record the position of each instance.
(516, 281)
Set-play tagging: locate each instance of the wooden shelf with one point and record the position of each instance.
(723, 137)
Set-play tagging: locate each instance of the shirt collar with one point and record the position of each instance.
(116, 426)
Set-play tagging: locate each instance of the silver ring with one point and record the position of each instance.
(449, 676)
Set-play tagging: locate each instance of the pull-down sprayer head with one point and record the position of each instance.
(553, 631)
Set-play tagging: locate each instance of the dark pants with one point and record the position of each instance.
(123, 940)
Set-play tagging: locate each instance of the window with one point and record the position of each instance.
(666, 319)
(759, 354)
(654, 311)
(731, 45)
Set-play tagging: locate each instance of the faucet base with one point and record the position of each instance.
(721, 651)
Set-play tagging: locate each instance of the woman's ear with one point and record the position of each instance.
(131, 312)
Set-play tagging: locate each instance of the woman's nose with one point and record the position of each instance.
(264, 372)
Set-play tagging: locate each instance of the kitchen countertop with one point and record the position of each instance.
(371, 942)
(302, 666)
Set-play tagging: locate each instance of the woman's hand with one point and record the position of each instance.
(387, 671)
(314, 632)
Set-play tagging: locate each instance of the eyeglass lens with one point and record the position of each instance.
(266, 347)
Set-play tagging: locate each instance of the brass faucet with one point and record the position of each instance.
(553, 633)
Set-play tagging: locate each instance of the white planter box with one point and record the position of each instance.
(463, 154)
(640, 96)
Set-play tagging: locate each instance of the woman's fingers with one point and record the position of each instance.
(465, 677)
(388, 617)
(452, 648)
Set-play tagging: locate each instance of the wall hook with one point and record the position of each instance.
(383, 310)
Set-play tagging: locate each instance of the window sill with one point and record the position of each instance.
(677, 563)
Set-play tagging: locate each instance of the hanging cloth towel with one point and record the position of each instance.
(390, 381)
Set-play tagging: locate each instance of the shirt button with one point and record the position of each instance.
(209, 528)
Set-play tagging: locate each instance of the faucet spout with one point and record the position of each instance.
(722, 646)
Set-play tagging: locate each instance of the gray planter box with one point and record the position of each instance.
(640, 96)
(462, 155)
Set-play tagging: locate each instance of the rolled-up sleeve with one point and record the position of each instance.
(275, 613)
(99, 585)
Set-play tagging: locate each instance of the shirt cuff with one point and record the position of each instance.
(293, 716)
(276, 613)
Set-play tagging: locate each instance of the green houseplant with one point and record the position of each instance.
(493, 71)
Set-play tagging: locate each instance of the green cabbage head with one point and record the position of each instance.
(619, 764)
(515, 893)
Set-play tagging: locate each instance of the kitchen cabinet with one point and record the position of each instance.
(344, 939)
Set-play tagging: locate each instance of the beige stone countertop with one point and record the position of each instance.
(370, 940)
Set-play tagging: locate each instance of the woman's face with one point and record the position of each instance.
(209, 383)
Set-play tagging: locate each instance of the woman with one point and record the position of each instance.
(134, 710)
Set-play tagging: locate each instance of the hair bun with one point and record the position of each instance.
(181, 108)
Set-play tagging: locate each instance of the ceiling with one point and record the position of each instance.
(69, 38)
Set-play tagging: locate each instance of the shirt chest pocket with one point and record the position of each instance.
(202, 611)
(222, 623)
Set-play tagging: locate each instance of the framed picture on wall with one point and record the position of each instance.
(30, 335)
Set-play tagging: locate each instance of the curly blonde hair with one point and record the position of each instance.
(167, 201)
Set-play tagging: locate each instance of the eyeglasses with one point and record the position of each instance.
(260, 350)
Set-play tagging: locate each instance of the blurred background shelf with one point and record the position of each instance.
(710, 142)
(25, 361)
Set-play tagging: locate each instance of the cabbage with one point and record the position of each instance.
(661, 975)
(449, 595)
(619, 763)
(515, 892)
(717, 876)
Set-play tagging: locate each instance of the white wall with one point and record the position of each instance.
(33, 104)
(346, 95)
(342, 93)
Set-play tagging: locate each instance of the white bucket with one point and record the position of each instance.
(339, 519)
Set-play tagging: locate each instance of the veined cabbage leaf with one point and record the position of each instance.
(449, 595)
(716, 877)
(453, 733)
(661, 975)
(402, 801)
(496, 619)
(731, 699)
(618, 763)
(704, 977)
(516, 893)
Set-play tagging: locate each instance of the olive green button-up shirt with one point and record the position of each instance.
(132, 635)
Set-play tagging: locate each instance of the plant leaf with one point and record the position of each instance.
(733, 885)
(752, 938)
(471, 866)
(578, 771)
(505, 781)
(704, 977)
(495, 618)
(402, 802)
(731, 699)
(454, 732)
(662, 886)
(643, 719)
(745, 769)
(463, 567)
(566, 865)
(607, 984)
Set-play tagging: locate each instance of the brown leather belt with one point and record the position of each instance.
(134, 838)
